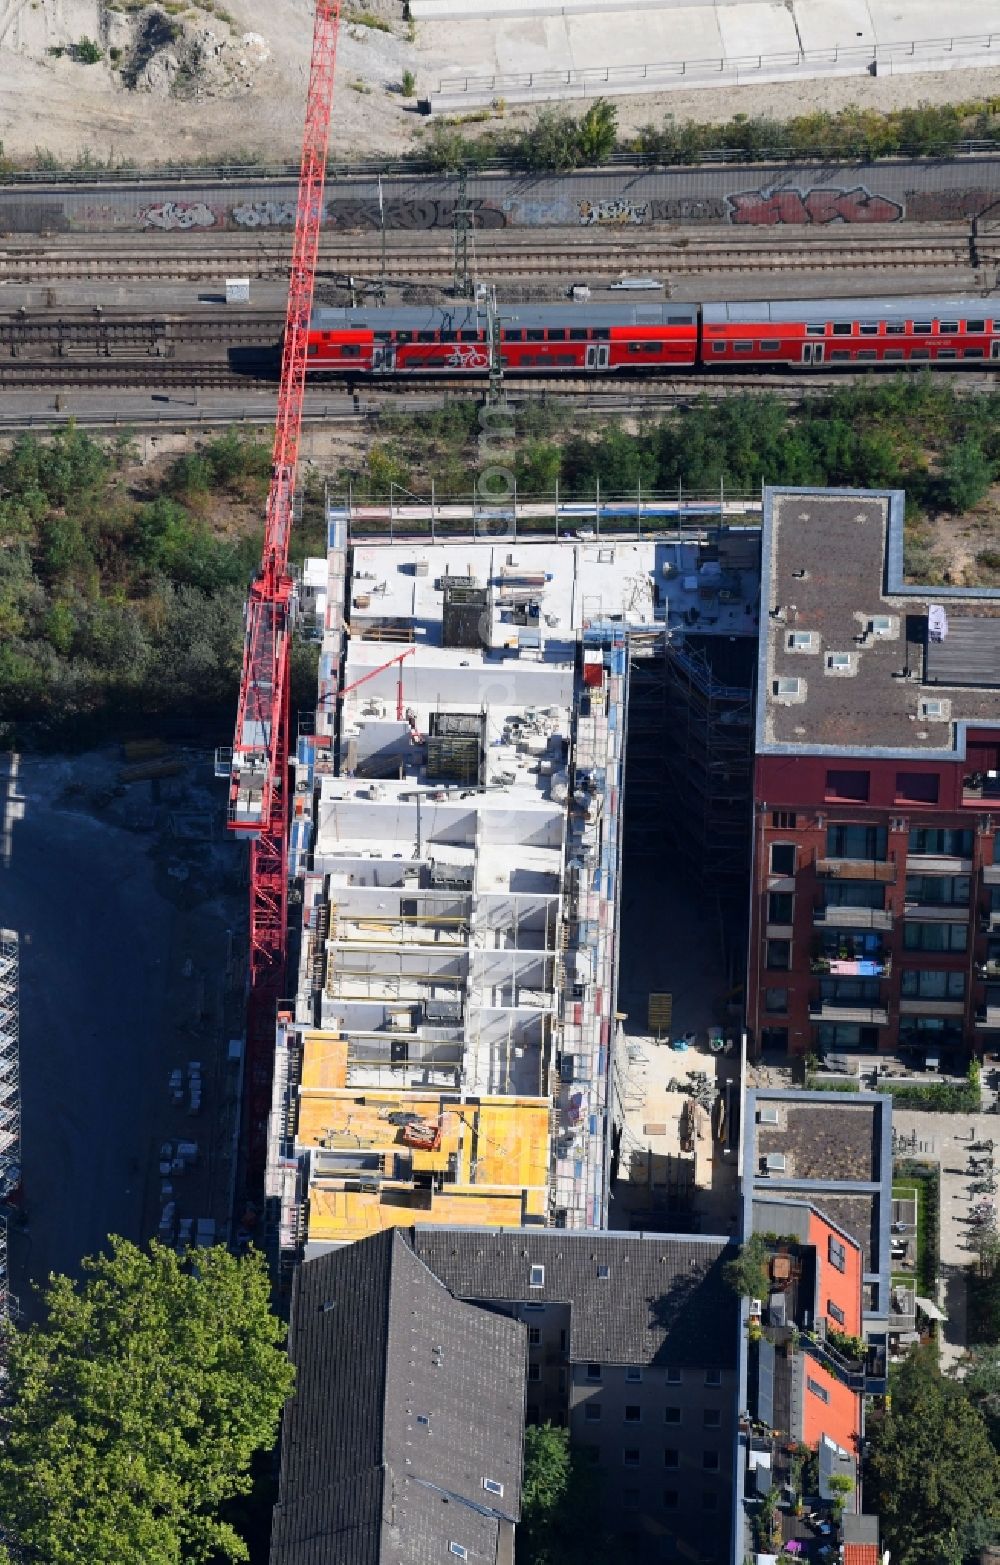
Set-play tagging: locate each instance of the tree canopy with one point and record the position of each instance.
(559, 1516)
(136, 1408)
(935, 1472)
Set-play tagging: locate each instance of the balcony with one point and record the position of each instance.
(883, 870)
(848, 1011)
(838, 917)
(937, 864)
(932, 1007)
(989, 968)
(991, 874)
(989, 923)
(939, 912)
(873, 965)
(988, 1016)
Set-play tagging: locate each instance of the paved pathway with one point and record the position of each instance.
(944, 1139)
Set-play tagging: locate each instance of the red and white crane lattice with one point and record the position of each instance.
(258, 796)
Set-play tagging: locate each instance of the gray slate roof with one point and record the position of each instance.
(664, 1300)
(377, 1341)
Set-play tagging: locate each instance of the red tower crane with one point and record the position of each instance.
(258, 789)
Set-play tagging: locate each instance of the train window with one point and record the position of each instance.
(468, 336)
(578, 334)
(565, 358)
(770, 345)
(868, 328)
(947, 353)
(718, 347)
(602, 334)
(842, 328)
(923, 326)
(404, 336)
(867, 353)
(894, 353)
(637, 347)
(313, 349)
(972, 353)
(743, 347)
(920, 353)
(975, 325)
(816, 331)
(350, 350)
(840, 353)
(382, 336)
(449, 336)
(679, 320)
(536, 336)
(947, 326)
(895, 328)
(654, 347)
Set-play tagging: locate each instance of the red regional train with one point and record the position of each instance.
(612, 338)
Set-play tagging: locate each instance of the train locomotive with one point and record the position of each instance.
(633, 337)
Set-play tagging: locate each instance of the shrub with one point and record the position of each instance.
(85, 52)
(409, 84)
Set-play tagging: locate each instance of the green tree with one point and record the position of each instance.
(934, 1471)
(981, 1382)
(134, 1412)
(597, 135)
(560, 1524)
(747, 1273)
(966, 475)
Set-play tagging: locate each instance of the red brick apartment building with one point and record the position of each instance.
(875, 916)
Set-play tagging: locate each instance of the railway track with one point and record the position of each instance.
(373, 397)
(499, 256)
(106, 334)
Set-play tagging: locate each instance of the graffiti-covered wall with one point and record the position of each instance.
(892, 192)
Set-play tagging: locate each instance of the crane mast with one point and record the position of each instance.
(258, 787)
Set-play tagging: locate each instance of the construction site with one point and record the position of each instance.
(446, 1050)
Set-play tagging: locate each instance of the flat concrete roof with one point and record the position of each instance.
(848, 650)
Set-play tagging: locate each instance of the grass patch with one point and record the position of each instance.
(817, 1084)
(925, 1184)
(378, 24)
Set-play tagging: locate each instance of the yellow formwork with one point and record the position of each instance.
(341, 1216)
(324, 1059)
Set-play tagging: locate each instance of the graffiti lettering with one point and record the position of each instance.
(617, 213)
(823, 205)
(689, 209)
(923, 206)
(265, 214)
(177, 214)
(430, 213)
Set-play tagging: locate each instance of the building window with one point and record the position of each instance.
(671, 1456)
(918, 936)
(633, 1375)
(847, 991)
(459, 1550)
(534, 1372)
(782, 858)
(951, 843)
(779, 955)
(671, 1499)
(633, 1413)
(534, 1336)
(537, 1278)
(710, 1461)
(709, 1500)
(817, 1390)
(859, 893)
(779, 907)
(856, 842)
(836, 1254)
(925, 983)
(848, 785)
(712, 1417)
(917, 787)
(776, 1001)
(673, 1377)
(593, 1371)
(603, 1273)
(424, 1420)
(836, 1313)
(784, 820)
(671, 1415)
(938, 890)
(630, 1456)
(592, 1412)
(492, 1486)
(713, 1377)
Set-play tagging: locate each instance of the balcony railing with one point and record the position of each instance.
(883, 870)
(848, 1011)
(991, 875)
(988, 1016)
(988, 969)
(937, 864)
(838, 917)
(850, 1371)
(877, 965)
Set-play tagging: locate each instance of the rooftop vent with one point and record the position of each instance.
(775, 1162)
(767, 1115)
